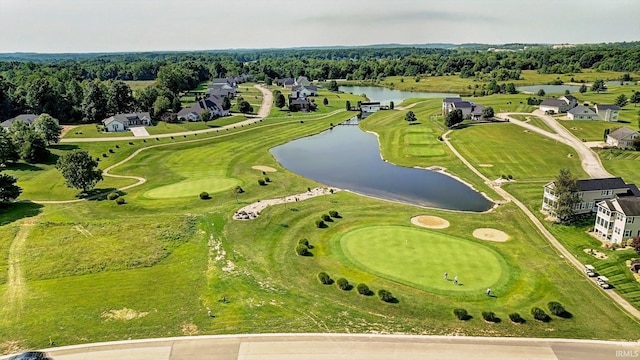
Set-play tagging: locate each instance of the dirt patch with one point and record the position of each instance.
(430, 222)
(66, 129)
(490, 234)
(597, 254)
(123, 314)
(190, 329)
(264, 168)
(12, 346)
(485, 165)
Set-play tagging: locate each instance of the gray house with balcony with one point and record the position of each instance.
(591, 192)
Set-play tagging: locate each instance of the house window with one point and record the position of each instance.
(627, 233)
(630, 220)
(590, 205)
(616, 230)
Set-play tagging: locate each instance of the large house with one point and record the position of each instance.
(469, 109)
(582, 113)
(26, 118)
(303, 81)
(618, 219)
(560, 105)
(212, 103)
(591, 192)
(300, 104)
(123, 122)
(302, 91)
(622, 138)
(607, 112)
(221, 90)
(286, 83)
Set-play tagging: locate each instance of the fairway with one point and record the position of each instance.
(191, 188)
(420, 258)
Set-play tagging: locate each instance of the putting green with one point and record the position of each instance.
(420, 258)
(192, 188)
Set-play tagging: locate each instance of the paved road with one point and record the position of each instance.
(347, 347)
(590, 160)
(265, 109)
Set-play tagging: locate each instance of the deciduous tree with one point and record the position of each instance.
(226, 103)
(621, 100)
(487, 113)
(79, 170)
(244, 107)
(280, 101)
(635, 98)
(8, 151)
(48, 127)
(453, 118)
(333, 85)
(9, 191)
(410, 116)
(583, 89)
(598, 86)
(31, 145)
(565, 189)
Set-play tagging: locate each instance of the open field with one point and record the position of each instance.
(166, 257)
(587, 130)
(139, 84)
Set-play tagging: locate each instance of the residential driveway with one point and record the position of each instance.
(347, 347)
(589, 159)
(139, 131)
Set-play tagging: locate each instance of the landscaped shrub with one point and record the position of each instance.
(130, 143)
(157, 139)
(324, 278)
(516, 318)
(104, 155)
(320, 224)
(120, 201)
(334, 214)
(309, 189)
(326, 217)
(540, 315)
(304, 242)
(558, 310)
(117, 146)
(172, 138)
(385, 295)
(490, 316)
(261, 182)
(363, 289)
(266, 178)
(205, 195)
(343, 284)
(113, 196)
(111, 151)
(461, 314)
(302, 250)
(510, 177)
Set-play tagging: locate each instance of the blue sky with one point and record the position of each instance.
(144, 25)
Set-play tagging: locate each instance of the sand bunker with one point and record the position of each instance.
(490, 234)
(430, 222)
(264, 168)
(486, 165)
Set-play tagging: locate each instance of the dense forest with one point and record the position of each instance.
(90, 87)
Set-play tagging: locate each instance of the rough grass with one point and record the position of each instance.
(194, 187)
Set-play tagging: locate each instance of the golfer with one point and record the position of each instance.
(455, 280)
(488, 291)
(446, 275)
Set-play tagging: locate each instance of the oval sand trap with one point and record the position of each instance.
(490, 234)
(430, 222)
(264, 168)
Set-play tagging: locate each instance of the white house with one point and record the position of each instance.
(582, 113)
(560, 105)
(123, 122)
(447, 103)
(369, 107)
(212, 103)
(590, 191)
(26, 118)
(622, 138)
(607, 112)
(618, 219)
(302, 91)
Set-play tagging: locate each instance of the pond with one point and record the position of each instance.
(386, 95)
(349, 158)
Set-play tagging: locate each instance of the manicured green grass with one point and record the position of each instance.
(192, 187)
(91, 131)
(591, 130)
(533, 120)
(420, 258)
(625, 163)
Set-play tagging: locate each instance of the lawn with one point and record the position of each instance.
(590, 130)
(139, 84)
(535, 121)
(420, 258)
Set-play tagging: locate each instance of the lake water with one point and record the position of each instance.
(385, 95)
(349, 158)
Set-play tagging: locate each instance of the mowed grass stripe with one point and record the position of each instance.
(420, 258)
(192, 188)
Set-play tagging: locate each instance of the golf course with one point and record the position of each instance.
(156, 265)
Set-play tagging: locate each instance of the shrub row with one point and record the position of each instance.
(363, 289)
(302, 249)
(539, 314)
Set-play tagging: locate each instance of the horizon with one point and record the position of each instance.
(119, 26)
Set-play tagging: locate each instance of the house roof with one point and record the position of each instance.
(308, 87)
(126, 118)
(581, 110)
(601, 184)
(451, 99)
(299, 101)
(633, 189)
(462, 104)
(477, 110)
(607, 107)
(370, 103)
(553, 102)
(569, 97)
(211, 103)
(630, 205)
(621, 133)
(26, 118)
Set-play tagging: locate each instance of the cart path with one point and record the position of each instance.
(16, 287)
(589, 159)
(563, 252)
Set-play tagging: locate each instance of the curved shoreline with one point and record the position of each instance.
(253, 210)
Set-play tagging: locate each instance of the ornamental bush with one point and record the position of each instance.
(205, 195)
(324, 278)
(326, 217)
(540, 315)
(113, 196)
(516, 318)
(334, 214)
(558, 310)
(120, 201)
(385, 295)
(261, 182)
(302, 250)
(320, 224)
(304, 242)
(461, 314)
(490, 316)
(363, 289)
(343, 284)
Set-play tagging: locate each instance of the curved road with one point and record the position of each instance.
(265, 110)
(347, 347)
